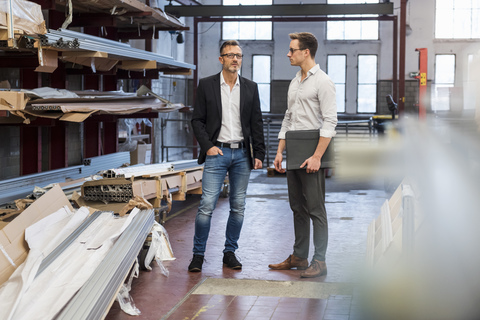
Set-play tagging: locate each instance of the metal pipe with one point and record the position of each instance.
(10, 27)
(401, 71)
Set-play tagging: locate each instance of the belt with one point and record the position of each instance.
(235, 145)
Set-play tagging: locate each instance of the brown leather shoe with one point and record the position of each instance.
(291, 262)
(317, 268)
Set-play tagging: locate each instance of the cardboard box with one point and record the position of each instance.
(12, 100)
(14, 248)
(143, 154)
(145, 188)
(47, 60)
(194, 180)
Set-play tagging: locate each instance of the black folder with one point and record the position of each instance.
(301, 145)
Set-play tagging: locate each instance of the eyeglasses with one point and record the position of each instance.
(292, 51)
(231, 55)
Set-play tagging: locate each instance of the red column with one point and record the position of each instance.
(110, 137)
(92, 139)
(30, 149)
(58, 146)
(422, 77)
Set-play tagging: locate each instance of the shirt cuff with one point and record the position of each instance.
(327, 133)
(281, 135)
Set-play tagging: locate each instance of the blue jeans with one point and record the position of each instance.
(236, 163)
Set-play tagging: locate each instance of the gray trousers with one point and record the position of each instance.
(306, 193)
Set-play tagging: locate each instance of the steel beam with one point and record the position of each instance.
(189, 2)
(280, 10)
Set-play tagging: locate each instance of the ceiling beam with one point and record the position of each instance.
(188, 2)
(280, 10)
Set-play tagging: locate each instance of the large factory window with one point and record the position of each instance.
(367, 84)
(352, 30)
(457, 19)
(262, 67)
(337, 71)
(247, 30)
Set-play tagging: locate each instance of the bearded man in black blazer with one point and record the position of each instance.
(227, 122)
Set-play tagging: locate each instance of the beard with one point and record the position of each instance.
(232, 68)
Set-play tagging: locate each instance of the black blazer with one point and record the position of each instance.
(207, 115)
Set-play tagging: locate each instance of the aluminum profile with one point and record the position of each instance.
(112, 48)
(67, 242)
(108, 161)
(18, 188)
(185, 164)
(93, 300)
(138, 171)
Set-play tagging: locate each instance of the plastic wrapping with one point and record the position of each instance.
(127, 125)
(27, 16)
(123, 296)
(160, 249)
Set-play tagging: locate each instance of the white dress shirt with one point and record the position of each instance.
(311, 104)
(231, 130)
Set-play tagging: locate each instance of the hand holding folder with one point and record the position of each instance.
(301, 145)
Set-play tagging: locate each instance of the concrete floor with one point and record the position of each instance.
(255, 292)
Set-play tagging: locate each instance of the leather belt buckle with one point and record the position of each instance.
(234, 145)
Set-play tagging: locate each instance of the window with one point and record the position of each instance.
(262, 66)
(457, 19)
(367, 84)
(444, 80)
(336, 69)
(352, 30)
(246, 30)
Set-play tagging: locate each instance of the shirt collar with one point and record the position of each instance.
(313, 70)
(222, 79)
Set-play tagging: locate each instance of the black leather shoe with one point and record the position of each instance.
(231, 261)
(196, 264)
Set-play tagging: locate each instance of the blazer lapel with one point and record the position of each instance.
(218, 95)
(242, 94)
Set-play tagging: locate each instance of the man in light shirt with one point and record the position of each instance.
(311, 106)
(227, 122)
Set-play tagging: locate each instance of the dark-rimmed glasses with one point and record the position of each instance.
(231, 55)
(292, 51)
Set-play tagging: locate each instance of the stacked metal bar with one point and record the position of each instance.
(138, 171)
(67, 242)
(112, 48)
(184, 164)
(18, 188)
(93, 300)
(117, 191)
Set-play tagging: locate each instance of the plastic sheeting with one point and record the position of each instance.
(160, 249)
(123, 297)
(27, 297)
(27, 16)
